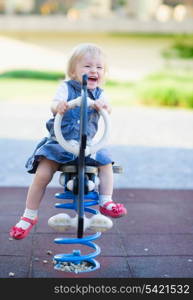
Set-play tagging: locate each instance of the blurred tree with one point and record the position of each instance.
(2, 6)
(53, 6)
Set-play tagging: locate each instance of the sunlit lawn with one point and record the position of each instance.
(159, 89)
(27, 89)
(162, 90)
(44, 90)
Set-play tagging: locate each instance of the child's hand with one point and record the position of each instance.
(101, 104)
(62, 107)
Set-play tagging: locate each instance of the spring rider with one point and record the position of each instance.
(80, 183)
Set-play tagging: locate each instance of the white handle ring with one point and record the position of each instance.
(72, 146)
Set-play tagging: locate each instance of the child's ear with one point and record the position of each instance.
(73, 75)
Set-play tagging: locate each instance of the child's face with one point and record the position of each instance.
(93, 66)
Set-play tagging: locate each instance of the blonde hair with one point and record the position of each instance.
(79, 51)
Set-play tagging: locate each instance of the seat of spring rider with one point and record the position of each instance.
(88, 169)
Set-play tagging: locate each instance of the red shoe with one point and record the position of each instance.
(19, 233)
(116, 211)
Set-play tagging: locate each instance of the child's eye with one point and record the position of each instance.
(87, 66)
(99, 67)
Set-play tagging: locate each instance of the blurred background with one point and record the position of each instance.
(149, 37)
(149, 45)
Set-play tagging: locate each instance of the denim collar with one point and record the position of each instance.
(93, 94)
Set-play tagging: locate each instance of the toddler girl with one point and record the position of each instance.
(49, 155)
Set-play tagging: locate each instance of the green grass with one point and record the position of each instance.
(120, 93)
(180, 49)
(44, 90)
(33, 74)
(169, 89)
(52, 34)
(166, 88)
(27, 89)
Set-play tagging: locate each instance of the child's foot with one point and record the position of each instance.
(113, 210)
(22, 229)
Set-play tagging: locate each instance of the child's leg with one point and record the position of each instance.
(106, 180)
(43, 176)
(107, 206)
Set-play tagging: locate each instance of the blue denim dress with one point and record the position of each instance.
(50, 149)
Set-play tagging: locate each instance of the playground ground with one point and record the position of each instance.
(153, 241)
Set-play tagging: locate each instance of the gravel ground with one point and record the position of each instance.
(154, 146)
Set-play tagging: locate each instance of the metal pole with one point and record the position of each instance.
(81, 158)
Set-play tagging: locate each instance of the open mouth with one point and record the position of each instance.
(92, 79)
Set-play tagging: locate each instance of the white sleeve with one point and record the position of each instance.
(60, 95)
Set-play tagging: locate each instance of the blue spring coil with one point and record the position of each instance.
(76, 257)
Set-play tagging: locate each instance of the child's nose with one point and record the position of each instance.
(93, 69)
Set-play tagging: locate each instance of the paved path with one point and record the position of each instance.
(153, 145)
